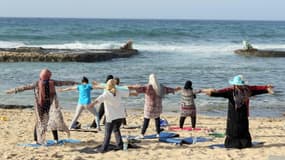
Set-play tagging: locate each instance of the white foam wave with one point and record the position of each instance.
(202, 48)
(7, 44)
(79, 45)
(157, 47)
(186, 48)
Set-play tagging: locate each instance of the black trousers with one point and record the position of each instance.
(54, 133)
(124, 121)
(114, 126)
(182, 120)
(101, 113)
(146, 123)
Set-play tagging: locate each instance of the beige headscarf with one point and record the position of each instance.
(111, 86)
(156, 86)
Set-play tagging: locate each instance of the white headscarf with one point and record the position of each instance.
(156, 86)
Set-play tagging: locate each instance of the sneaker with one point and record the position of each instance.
(157, 135)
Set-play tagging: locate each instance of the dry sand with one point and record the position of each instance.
(19, 126)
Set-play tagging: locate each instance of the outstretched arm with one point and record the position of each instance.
(98, 100)
(97, 85)
(168, 90)
(256, 90)
(225, 92)
(68, 89)
(64, 83)
(21, 88)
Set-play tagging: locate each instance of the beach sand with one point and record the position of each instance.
(18, 129)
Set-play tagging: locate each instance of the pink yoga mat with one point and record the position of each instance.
(176, 128)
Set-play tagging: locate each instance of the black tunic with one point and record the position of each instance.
(237, 131)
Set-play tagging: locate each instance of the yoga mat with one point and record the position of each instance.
(215, 146)
(162, 135)
(50, 143)
(176, 128)
(188, 140)
(217, 134)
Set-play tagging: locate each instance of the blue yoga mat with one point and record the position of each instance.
(50, 143)
(162, 135)
(188, 140)
(215, 146)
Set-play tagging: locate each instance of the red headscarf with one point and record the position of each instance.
(45, 76)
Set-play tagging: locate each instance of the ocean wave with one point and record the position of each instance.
(7, 44)
(149, 46)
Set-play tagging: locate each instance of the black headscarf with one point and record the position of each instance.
(188, 85)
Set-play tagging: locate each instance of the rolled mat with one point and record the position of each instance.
(176, 128)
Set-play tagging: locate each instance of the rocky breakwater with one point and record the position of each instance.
(260, 53)
(38, 54)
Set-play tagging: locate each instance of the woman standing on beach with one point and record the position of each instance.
(154, 93)
(84, 100)
(187, 106)
(114, 112)
(237, 131)
(47, 110)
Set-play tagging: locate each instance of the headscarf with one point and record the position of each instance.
(188, 85)
(156, 86)
(111, 86)
(46, 88)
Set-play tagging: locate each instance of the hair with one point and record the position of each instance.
(117, 80)
(111, 86)
(109, 77)
(84, 79)
(188, 85)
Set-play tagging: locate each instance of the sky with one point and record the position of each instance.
(147, 9)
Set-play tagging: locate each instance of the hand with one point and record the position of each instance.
(59, 90)
(134, 94)
(208, 91)
(10, 91)
(177, 89)
(95, 83)
(270, 88)
(134, 86)
(91, 105)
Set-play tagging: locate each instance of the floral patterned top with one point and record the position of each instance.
(153, 102)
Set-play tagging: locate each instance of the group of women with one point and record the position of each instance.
(49, 116)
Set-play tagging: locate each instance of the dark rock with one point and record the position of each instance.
(11, 106)
(260, 53)
(38, 54)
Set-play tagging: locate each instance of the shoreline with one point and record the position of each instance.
(214, 113)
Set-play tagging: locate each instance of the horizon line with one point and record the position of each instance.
(182, 19)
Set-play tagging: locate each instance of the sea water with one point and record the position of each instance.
(175, 50)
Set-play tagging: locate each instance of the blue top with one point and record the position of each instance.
(84, 94)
